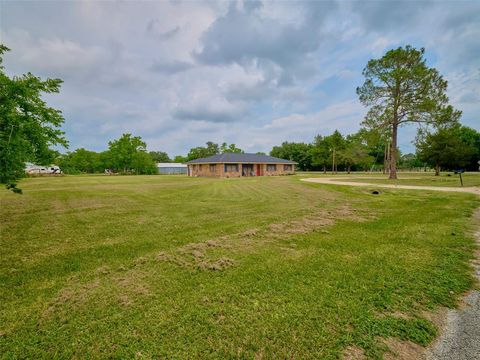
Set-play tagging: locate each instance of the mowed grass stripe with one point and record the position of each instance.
(94, 287)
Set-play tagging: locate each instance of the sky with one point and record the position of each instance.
(253, 73)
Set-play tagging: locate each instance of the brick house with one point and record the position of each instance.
(238, 165)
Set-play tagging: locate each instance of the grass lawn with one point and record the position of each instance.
(177, 267)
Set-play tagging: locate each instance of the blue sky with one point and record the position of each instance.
(252, 73)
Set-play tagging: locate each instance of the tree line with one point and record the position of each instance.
(449, 147)
(128, 155)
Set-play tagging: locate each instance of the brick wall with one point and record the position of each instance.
(218, 170)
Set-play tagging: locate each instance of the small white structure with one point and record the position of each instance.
(40, 169)
(171, 168)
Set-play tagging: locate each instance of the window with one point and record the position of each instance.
(200, 167)
(287, 167)
(213, 167)
(231, 167)
(271, 167)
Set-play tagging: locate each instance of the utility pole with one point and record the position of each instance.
(334, 166)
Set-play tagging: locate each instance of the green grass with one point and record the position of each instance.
(177, 267)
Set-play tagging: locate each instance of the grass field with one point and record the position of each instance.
(177, 267)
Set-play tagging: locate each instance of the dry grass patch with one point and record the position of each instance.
(353, 353)
(403, 350)
(202, 255)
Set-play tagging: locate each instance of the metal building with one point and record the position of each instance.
(171, 168)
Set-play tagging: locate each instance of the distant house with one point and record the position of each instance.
(237, 165)
(42, 169)
(171, 168)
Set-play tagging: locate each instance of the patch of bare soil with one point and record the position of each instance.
(353, 353)
(403, 350)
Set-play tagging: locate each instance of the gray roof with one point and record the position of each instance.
(241, 158)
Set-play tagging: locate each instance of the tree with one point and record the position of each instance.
(410, 161)
(126, 154)
(400, 88)
(180, 159)
(80, 161)
(159, 156)
(355, 153)
(202, 152)
(444, 149)
(298, 152)
(142, 163)
(28, 127)
(472, 138)
(225, 148)
(320, 153)
(336, 144)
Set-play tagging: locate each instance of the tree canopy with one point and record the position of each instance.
(210, 149)
(28, 126)
(298, 152)
(159, 156)
(446, 149)
(400, 88)
(128, 153)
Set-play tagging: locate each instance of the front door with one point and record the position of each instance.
(247, 170)
(259, 170)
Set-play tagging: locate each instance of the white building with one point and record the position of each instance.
(171, 168)
(42, 169)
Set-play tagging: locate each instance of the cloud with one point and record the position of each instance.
(253, 73)
(152, 30)
(170, 67)
(215, 110)
(253, 39)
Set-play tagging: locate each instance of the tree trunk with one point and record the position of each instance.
(324, 169)
(385, 159)
(348, 169)
(437, 169)
(393, 149)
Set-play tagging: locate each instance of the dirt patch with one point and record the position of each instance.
(353, 353)
(403, 350)
(437, 317)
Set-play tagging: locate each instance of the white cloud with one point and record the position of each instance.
(256, 74)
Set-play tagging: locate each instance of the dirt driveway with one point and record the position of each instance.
(344, 181)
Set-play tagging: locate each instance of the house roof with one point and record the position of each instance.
(240, 158)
